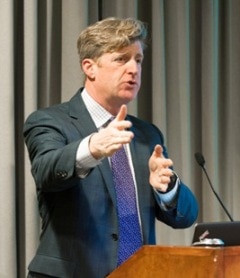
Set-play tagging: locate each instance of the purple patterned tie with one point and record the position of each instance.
(130, 237)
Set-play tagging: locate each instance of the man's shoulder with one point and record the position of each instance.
(56, 108)
(137, 122)
(145, 128)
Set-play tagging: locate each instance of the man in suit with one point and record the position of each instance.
(71, 147)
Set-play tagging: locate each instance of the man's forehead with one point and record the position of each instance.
(134, 47)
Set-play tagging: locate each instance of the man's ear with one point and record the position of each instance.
(88, 67)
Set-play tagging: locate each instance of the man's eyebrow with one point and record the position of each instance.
(140, 55)
(126, 53)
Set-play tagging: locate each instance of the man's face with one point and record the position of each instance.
(118, 76)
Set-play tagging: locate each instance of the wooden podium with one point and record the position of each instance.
(181, 262)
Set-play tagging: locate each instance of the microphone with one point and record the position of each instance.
(201, 162)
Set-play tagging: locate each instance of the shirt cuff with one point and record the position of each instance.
(168, 199)
(84, 160)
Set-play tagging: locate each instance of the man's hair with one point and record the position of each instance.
(109, 35)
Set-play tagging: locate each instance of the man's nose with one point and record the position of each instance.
(133, 66)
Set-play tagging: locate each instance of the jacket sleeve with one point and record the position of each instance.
(184, 213)
(52, 156)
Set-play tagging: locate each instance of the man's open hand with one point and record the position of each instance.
(160, 172)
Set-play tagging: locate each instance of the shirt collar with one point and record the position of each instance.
(99, 115)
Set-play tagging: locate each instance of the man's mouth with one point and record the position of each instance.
(132, 82)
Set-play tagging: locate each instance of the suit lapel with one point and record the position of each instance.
(106, 172)
(140, 155)
(82, 120)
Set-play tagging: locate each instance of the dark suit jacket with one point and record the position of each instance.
(79, 221)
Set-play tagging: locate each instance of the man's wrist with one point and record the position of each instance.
(97, 155)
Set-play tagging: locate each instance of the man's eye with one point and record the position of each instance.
(120, 59)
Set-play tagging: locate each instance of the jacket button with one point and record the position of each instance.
(61, 174)
(115, 237)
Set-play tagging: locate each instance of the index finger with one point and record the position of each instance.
(122, 113)
(158, 151)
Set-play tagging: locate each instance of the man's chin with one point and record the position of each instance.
(129, 95)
